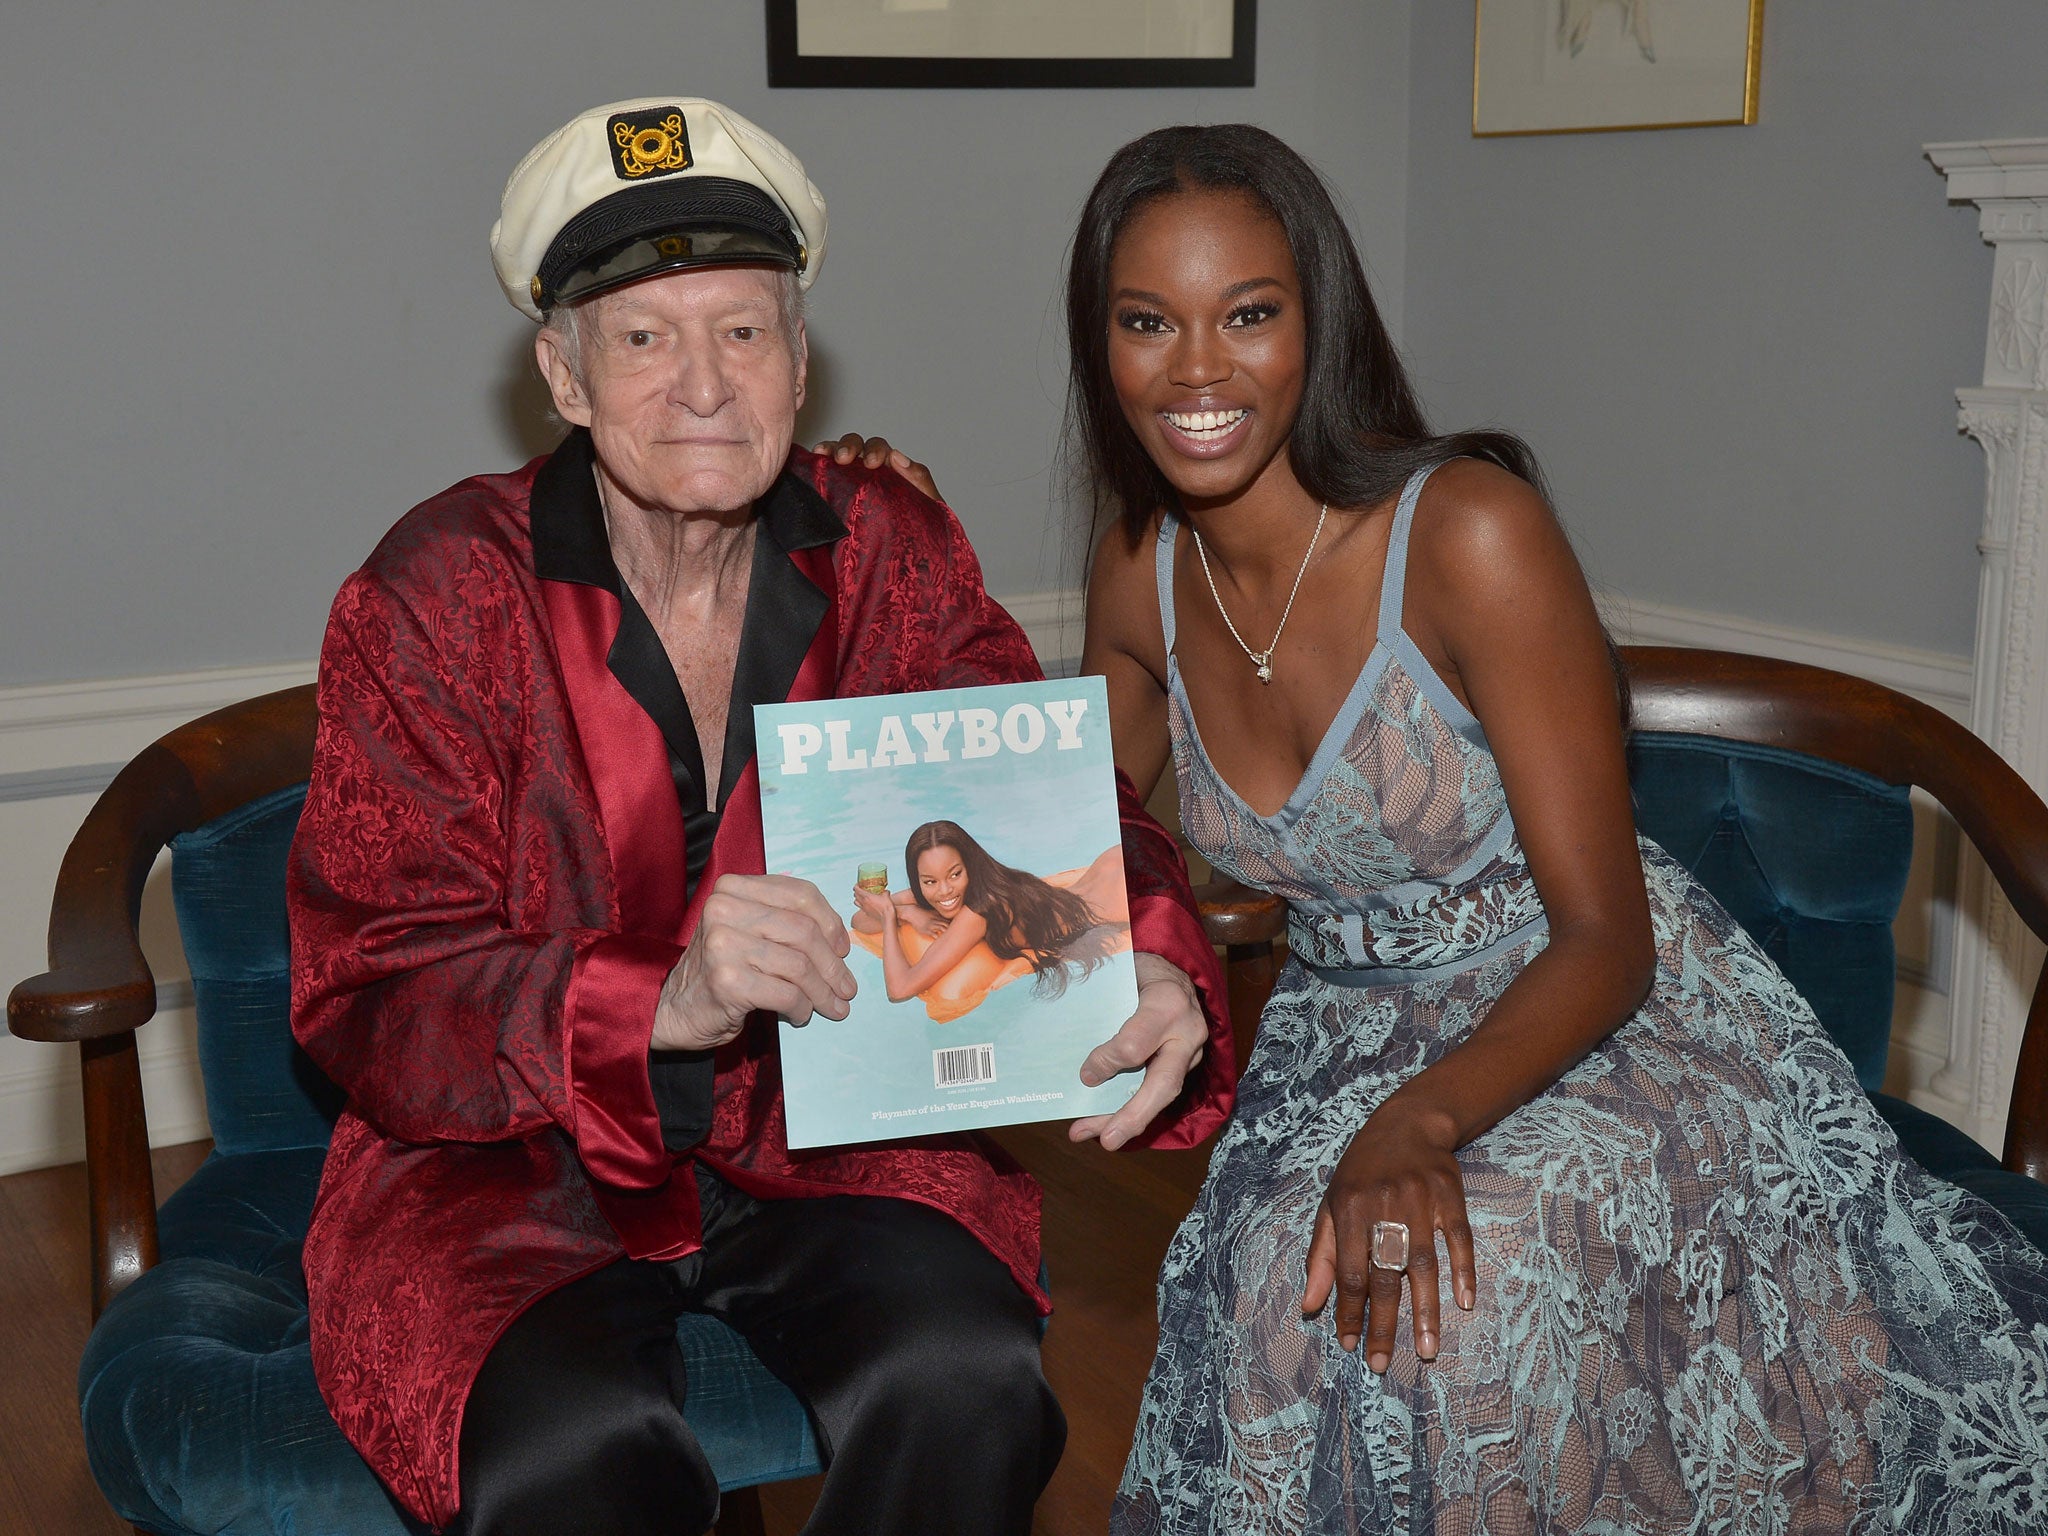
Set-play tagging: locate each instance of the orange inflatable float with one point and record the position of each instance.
(981, 970)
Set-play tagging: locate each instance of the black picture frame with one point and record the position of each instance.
(787, 67)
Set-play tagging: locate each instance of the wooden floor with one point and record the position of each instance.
(1107, 1220)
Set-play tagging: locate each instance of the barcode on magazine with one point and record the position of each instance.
(964, 1065)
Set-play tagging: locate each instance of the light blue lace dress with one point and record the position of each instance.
(1712, 1294)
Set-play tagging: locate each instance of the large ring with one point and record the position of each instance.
(1390, 1245)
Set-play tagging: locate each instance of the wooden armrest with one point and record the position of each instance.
(1901, 741)
(99, 985)
(98, 991)
(99, 988)
(1245, 922)
(1239, 917)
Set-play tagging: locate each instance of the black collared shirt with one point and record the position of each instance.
(783, 613)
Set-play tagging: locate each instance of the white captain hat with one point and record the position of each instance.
(634, 188)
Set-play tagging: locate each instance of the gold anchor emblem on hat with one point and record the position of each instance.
(650, 148)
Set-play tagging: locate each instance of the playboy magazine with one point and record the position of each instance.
(969, 838)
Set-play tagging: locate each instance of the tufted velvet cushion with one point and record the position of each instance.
(227, 882)
(1942, 1149)
(196, 1389)
(1810, 857)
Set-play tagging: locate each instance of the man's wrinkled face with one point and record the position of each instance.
(689, 383)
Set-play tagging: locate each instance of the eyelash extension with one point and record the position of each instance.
(1259, 311)
(1130, 319)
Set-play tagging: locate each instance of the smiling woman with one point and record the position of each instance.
(968, 923)
(1547, 1204)
(1209, 379)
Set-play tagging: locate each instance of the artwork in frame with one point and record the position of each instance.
(1586, 66)
(977, 43)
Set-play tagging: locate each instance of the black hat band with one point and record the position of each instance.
(597, 249)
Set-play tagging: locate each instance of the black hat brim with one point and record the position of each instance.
(642, 231)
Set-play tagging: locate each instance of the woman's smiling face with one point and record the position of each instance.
(1207, 348)
(942, 880)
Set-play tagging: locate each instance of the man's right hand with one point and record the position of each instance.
(763, 942)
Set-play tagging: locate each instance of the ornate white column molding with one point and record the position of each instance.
(1995, 958)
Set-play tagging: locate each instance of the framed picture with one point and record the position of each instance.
(1010, 42)
(1587, 66)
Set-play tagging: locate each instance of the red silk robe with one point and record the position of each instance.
(486, 895)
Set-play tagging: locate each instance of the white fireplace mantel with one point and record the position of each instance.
(2007, 413)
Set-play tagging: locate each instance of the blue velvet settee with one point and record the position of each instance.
(1783, 787)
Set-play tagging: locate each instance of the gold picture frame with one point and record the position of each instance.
(1609, 66)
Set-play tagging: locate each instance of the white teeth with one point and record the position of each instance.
(1205, 426)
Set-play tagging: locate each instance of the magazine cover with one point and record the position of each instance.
(969, 838)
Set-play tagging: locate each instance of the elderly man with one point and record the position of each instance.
(532, 939)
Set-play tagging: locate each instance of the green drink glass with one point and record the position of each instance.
(873, 877)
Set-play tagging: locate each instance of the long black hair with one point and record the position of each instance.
(1360, 433)
(1026, 916)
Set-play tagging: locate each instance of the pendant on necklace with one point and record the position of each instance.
(1265, 668)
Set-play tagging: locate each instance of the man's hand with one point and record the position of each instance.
(764, 942)
(1165, 1037)
(874, 452)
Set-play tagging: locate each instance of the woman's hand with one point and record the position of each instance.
(923, 919)
(1165, 1037)
(1401, 1167)
(877, 905)
(874, 452)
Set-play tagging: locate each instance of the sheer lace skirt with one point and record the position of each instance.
(1712, 1294)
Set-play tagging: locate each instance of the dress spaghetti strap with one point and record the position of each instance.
(1394, 581)
(1169, 534)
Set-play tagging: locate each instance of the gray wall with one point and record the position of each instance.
(250, 315)
(1735, 349)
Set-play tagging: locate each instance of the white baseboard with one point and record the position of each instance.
(41, 1119)
(60, 743)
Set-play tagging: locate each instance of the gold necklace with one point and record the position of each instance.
(1263, 660)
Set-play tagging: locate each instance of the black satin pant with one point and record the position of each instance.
(915, 1351)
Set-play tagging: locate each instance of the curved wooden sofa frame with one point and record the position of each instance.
(1902, 741)
(99, 989)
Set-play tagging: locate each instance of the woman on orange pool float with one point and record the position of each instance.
(969, 924)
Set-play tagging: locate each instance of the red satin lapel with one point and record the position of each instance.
(737, 848)
(628, 762)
